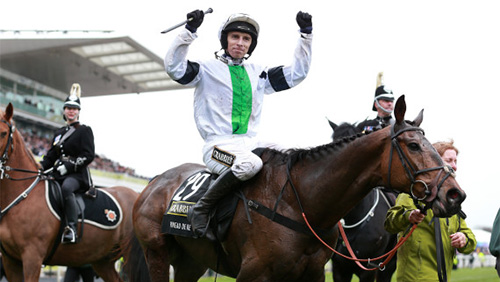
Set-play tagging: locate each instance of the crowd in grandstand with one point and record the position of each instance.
(40, 145)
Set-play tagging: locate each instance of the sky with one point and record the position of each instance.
(444, 56)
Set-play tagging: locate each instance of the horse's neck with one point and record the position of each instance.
(335, 182)
(21, 157)
(18, 158)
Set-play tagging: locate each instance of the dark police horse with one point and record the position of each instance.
(364, 227)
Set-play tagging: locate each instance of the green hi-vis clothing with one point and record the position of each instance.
(416, 258)
(242, 99)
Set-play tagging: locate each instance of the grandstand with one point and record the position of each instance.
(37, 69)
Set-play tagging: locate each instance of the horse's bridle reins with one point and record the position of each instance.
(3, 172)
(411, 173)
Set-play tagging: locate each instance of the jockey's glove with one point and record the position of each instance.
(194, 24)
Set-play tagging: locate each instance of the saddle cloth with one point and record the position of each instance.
(175, 220)
(103, 211)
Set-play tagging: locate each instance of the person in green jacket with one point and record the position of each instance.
(417, 258)
(495, 241)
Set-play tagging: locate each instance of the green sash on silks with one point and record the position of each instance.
(242, 99)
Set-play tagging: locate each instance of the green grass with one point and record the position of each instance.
(485, 274)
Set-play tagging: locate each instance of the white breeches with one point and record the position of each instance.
(245, 163)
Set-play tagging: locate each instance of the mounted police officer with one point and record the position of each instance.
(228, 98)
(383, 104)
(71, 152)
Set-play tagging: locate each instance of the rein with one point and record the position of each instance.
(389, 255)
(23, 195)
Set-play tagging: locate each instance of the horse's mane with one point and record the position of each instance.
(292, 156)
(26, 148)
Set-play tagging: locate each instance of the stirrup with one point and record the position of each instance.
(64, 239)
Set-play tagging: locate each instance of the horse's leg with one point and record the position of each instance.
(386, 275)
(154, 245)
(341, 274)
(366, 276)
(158, 263)
(32, 265)
(106, 270)
(13, 269)
(187, 270)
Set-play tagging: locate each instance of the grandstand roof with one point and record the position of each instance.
(101, 61)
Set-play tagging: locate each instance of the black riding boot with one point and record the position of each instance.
(70, 209)
(198, 214)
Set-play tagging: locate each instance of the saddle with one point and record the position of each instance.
(175, 220)
(101, 210)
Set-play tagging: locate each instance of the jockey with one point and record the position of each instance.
(228, 99)
(71, 152)
(383, 104)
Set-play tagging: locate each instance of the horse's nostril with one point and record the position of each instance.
(455, 195)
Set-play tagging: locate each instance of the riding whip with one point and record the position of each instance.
(209, 10)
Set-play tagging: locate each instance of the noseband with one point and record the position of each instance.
(412, 173)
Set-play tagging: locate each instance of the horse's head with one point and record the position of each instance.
(6, 132)
(415, 167)
(345, 129)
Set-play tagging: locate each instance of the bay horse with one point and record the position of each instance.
(311, 188)
(364, 228)
(29, 232)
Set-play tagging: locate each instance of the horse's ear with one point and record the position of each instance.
(400, 110)
(9, 112)
(332, 124)
(418, 120)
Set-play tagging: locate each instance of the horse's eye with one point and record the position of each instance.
(414, 147)
(3, 134)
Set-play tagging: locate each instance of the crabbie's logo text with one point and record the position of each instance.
(179, 208)
(223, 157)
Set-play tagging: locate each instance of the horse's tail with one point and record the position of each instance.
(135, 268)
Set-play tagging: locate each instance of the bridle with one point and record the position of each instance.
(39, 175)
(5, 154)
(412, 173)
